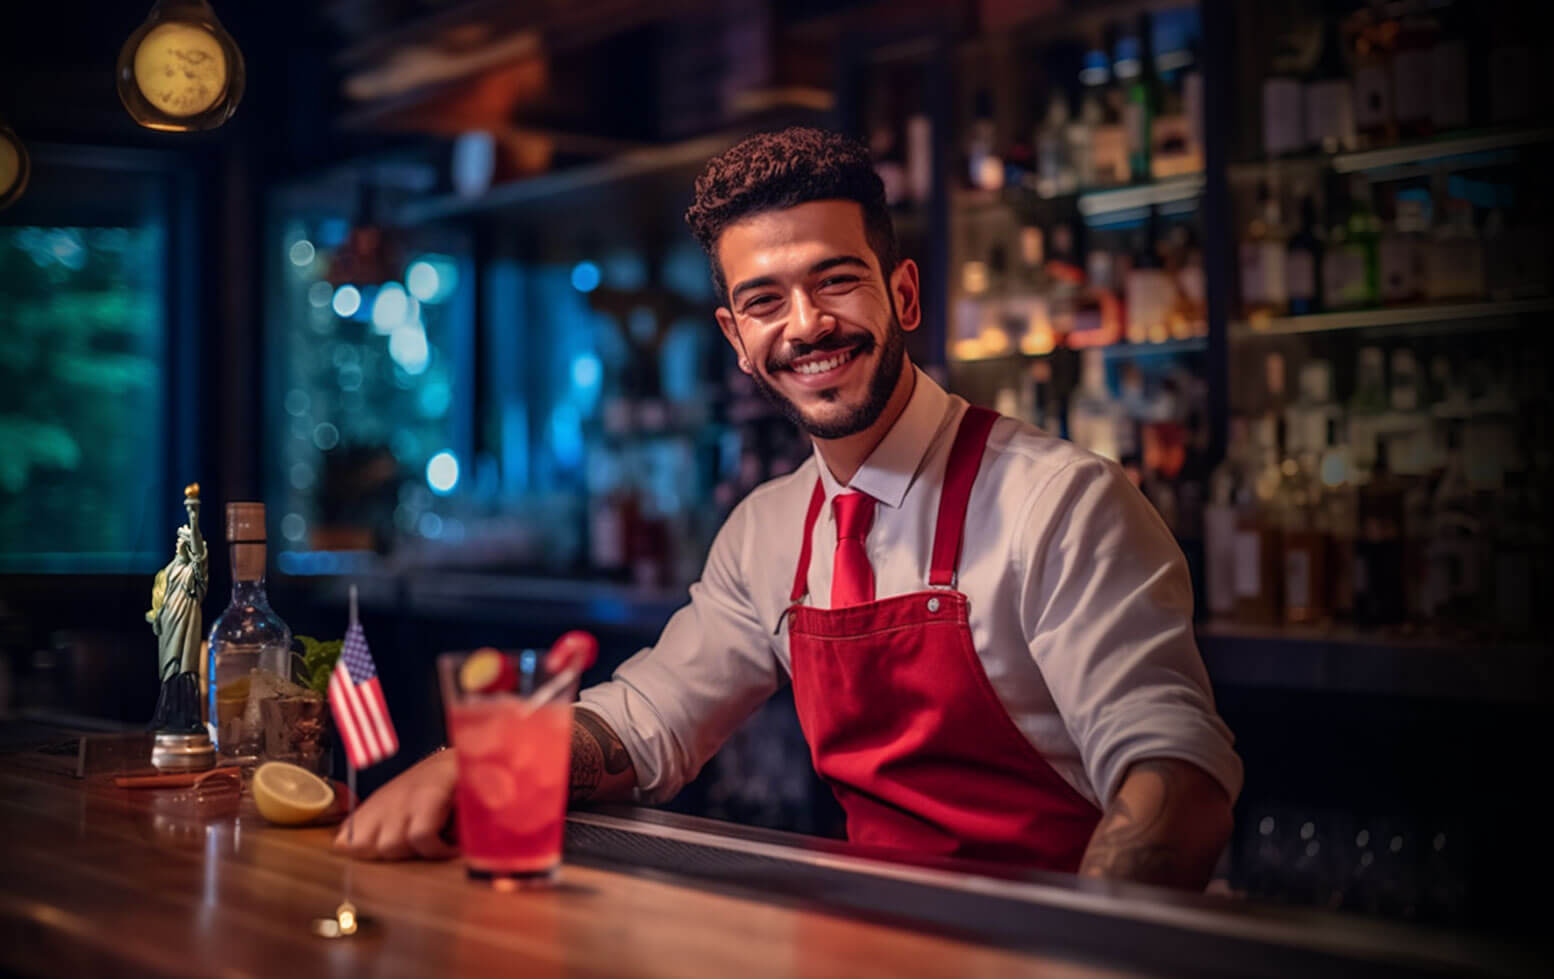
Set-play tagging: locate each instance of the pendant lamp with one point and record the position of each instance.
(180, 71)
(14, 166)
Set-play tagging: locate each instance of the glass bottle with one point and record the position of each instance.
(1230, 489)
(250, 647)
(1378, 565)
(1301, 541)
(1329, 95)
(1302, 262)
(1338, 516)
(1135, 73)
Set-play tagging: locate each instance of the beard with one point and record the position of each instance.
(877, 395)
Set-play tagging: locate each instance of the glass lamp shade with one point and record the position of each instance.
(180, 71)
(15, 167)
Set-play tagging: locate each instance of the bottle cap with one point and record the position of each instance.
(245, 523)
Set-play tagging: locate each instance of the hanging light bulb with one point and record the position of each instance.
(14, 167)
(180, 71)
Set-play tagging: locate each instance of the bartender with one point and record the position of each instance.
(988, 629)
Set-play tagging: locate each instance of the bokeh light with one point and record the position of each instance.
(348, 299)
(442, 473)
(585, 276)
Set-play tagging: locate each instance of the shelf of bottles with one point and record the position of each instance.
(1388, 391)
(1075, 279)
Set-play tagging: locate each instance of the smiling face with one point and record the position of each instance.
(815, 322)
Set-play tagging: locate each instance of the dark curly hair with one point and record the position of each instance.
(777, 170)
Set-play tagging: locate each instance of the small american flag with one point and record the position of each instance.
(356, 698)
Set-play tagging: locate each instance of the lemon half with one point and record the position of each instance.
(289, 795)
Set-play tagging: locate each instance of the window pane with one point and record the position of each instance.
(82, 335)
(366, 450)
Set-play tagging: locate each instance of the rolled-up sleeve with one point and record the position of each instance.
(1106, 604)
(676, 702)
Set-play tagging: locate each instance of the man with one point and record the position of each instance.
(988, 630)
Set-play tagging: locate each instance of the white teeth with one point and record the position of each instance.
(821, 366)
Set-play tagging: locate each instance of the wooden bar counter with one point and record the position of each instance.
(97, 880)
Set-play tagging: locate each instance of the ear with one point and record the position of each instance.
(904, 291)
(730, 330)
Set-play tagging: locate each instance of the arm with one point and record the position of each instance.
(1108, 615)
(412, 815)
(677, 702)
(1166, 825)
(601, 769)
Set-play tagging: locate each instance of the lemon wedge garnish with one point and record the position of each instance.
(289, 795)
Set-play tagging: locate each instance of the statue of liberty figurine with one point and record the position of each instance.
(182, 741)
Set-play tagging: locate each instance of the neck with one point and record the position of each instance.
(844, 456)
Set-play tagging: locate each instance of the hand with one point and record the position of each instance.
(404, 819)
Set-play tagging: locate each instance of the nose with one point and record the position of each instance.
(809, 323)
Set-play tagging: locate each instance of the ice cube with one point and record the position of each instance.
(479, 733)
(524, 817)
(493, 785)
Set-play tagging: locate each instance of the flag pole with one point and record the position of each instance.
(346, 908)
(345, 920)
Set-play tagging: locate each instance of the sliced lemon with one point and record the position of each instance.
(288, 794)
(487, 671)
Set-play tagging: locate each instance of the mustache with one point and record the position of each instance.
(835, 341)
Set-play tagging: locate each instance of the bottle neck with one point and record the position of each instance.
(248, 560)
(250, 593)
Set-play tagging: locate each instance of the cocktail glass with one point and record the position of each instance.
(513, 739)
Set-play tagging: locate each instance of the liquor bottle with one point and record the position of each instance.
(1259, 559)
(1230, 490)
(1329, 96)
(250, 647)
(1034, 286)
(1054, 169)
(1367, 407)
(1412, 60)
(1096, 421)
(1409, 425)
(1303, 262)
(1378, 548)
(919, 158)
(1307, 416)
(1149, 293)
(1403, 245)
(1350, 261)
(1339, 513)
(1263, 286)
(984, 168)
(1135, 74)
(1373, 36)
(1454, 256)
(1099, 144)
(1284, 129)
(1456, 555)
(1301, 543)
(1449, 96)
(1176, 145)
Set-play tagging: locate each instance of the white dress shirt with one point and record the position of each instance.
(1080, 607)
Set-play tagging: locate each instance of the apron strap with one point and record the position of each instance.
(959, 473)
(801, 577)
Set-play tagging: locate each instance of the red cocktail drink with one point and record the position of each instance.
(514, 758)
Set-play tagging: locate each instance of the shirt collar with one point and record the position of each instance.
(889, 470)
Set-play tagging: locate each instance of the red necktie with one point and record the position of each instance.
(852, 580)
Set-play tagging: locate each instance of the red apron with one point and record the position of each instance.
(903, 723)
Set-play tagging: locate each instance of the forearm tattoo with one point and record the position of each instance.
(596, 751)
(1125, 844)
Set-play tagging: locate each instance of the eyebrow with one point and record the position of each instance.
(819, 267)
